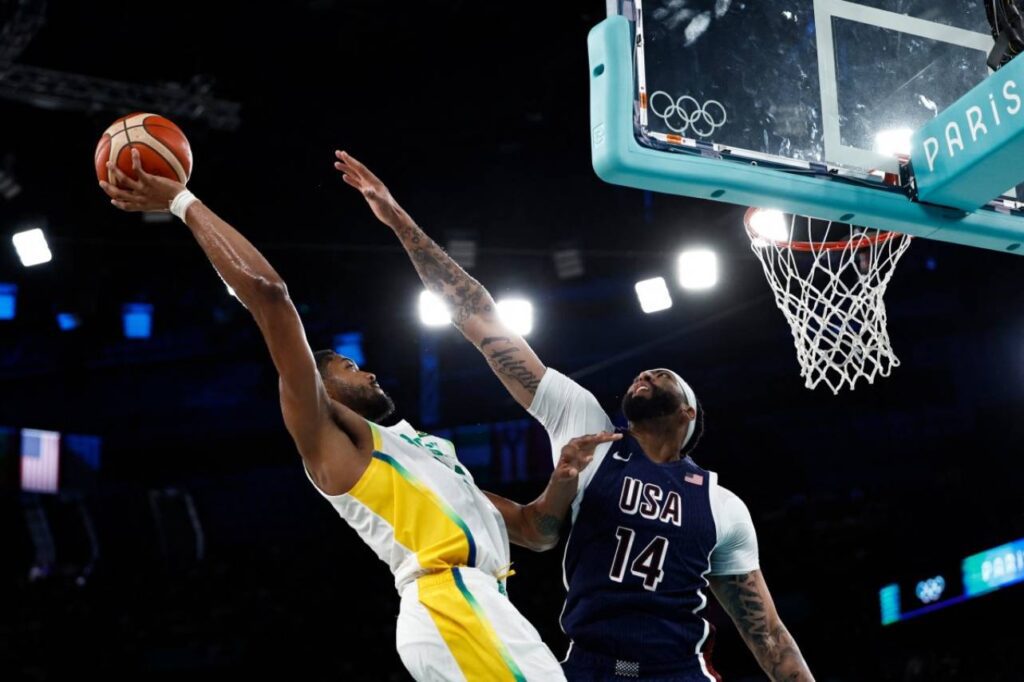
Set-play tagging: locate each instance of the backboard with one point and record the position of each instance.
(808, 106)
(824, 81)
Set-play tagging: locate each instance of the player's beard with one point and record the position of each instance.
(659, 403)
(370, 403)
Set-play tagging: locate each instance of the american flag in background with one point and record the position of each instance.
(40, 460)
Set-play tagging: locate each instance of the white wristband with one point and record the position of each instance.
(181, 203)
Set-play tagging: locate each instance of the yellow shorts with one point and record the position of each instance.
(459, 625)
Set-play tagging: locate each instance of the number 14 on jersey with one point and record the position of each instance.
(648, 564)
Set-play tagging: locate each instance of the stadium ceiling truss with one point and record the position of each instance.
(61, 90)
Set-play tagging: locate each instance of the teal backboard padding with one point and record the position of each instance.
(974, 149)
(619, 159)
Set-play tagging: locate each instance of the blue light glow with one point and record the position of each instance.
(138, 320)
(350, 344)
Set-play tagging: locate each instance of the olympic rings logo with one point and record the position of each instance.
(686, 113)
(931, 589)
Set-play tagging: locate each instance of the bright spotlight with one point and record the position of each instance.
(698, 269)
(770, 226)
(32, 247)
(895, 142)
(433, 311)
(653, 295)
(517, 313)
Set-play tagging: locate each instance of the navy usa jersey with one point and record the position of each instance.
(636, 561)
(644, 537)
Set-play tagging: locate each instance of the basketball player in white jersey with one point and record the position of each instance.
(651, 529)
(403, 491)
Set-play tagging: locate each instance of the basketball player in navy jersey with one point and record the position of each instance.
(651, 530)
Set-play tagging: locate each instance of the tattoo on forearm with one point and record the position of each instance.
(546, 525)
(508, 361)
(773, 646)
(443, 276)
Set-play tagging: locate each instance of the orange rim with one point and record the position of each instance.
(839, 245)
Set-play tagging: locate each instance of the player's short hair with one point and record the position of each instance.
(323, 357)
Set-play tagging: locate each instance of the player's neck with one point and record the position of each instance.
(659, 437)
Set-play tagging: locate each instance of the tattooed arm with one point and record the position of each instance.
(533, 526)
(746, 599)
(537, 525)
(473, 309)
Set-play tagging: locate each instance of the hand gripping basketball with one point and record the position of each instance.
(577, 453)
(148, 193)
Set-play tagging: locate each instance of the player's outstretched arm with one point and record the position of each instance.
(746, 599)
(537, 525)
(473, 309)
(311, 417)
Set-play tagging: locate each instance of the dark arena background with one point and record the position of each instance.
(181, 538)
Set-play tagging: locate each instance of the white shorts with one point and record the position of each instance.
(458, 625)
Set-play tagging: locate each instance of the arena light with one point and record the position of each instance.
(68, 321)
(463, 251)
(433, 311)
(653, 295)
(770, 226)
(895, 142)
(9, 187)
(697, 269)
(350, 345)
(568, 263)
(517, 313)
(32, 247)
(137, 319)
(8, 300)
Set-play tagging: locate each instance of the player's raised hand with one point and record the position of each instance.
(577, 453)
(373, 190)
(146, 193)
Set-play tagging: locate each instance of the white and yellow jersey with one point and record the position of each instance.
(419, 510)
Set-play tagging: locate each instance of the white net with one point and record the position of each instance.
(829, 280)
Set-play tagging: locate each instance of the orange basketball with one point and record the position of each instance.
(164, 148)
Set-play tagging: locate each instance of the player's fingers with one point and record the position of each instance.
(121, 179)
(351, 160)
(141, 174)
(125, 205)
(115, 192)
(353, 181)
(349, 169)
(595, 439)
(345, 170)
(361, 170)
(115, 176)
(351, 165)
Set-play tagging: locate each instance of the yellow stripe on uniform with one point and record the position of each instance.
(421, 521)
(378, 440)
(464, 627)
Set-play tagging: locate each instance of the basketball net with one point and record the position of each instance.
(829, 280)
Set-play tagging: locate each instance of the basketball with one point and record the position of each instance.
(164, 149)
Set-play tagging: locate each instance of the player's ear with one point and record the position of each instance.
(689, 411)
